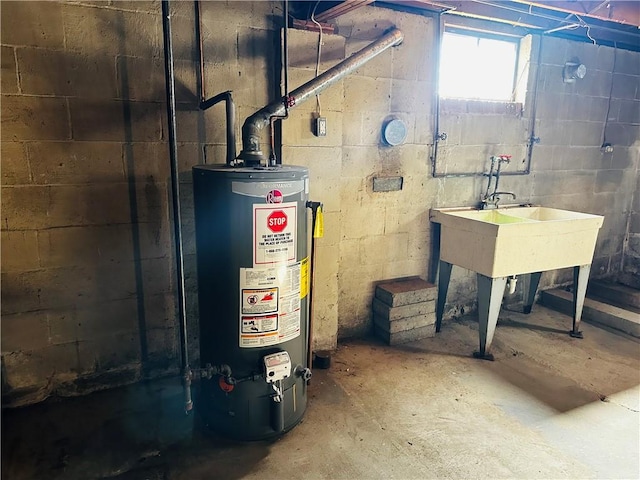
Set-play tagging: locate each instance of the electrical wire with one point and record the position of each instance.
(313, 19)
(584, 24)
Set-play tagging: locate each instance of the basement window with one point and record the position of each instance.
(477, 66)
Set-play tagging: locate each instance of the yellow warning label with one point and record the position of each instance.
(304, 277)
(318, 228)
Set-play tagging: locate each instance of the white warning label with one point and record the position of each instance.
(274, 233)
(260, 300)
(267, 323)
(270, 309)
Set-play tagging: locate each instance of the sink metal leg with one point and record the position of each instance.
(534, 281)
(490, 293)
(444, 275)
(580, 280)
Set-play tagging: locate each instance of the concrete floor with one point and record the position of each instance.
(550, 406)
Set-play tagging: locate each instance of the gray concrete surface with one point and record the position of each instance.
(550, 406)
(626, 320)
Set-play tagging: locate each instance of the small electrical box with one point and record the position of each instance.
(320, 127)
(277, 366)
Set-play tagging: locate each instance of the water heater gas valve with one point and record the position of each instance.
(277, 366)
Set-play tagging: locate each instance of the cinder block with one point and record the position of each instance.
(47, 72)
(20, 292)
(406, 335)
(403, 324)
(303, 50)
(218, 44)
(110, 352)
(366, 94)
(184, 36)
(391, 314)
(160, 310)
(87, 245)
(89, 30)
(608, 180)
(9, 77)
(104, 120)
(147, 6)
(37, 24)
(24, 207)
(629, 111)
(20, 251)
(390, 247)
(103, 204)
(40, 369)
(352, 129)
(405, 292)
(25, 332)
(14, 164)
(368, 23)
(410, 96)
(584, 134)
(237, 13)
(380, 66)
(104, 320)
(162, 349)
(371, 130)
(79, 162)
(624, 86)
(35, 118)
(410, 57)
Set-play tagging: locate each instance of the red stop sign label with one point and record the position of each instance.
(277, 221)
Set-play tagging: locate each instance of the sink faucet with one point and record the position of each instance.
(491, 200)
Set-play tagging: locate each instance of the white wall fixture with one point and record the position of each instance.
(394, 132)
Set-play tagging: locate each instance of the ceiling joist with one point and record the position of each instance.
(613, 22)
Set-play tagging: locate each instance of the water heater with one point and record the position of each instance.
(253, 281)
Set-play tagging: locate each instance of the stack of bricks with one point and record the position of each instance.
(404, 310)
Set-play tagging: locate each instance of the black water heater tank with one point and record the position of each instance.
(251, 239)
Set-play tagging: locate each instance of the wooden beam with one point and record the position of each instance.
(309, 25)
(341, 9)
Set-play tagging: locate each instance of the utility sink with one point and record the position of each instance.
(511, 241)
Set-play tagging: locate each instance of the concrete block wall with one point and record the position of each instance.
(624, 163)
(569, 169)
(88, 290)
(574, 120)
(88, 268)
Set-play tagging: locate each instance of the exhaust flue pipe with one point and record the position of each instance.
(253, 126)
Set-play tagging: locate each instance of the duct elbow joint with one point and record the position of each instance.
(251, 153)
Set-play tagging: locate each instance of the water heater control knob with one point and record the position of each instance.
(277, 366)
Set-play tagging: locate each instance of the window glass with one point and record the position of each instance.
(477, 68)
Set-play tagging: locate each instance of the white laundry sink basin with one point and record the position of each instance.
(516, 240)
